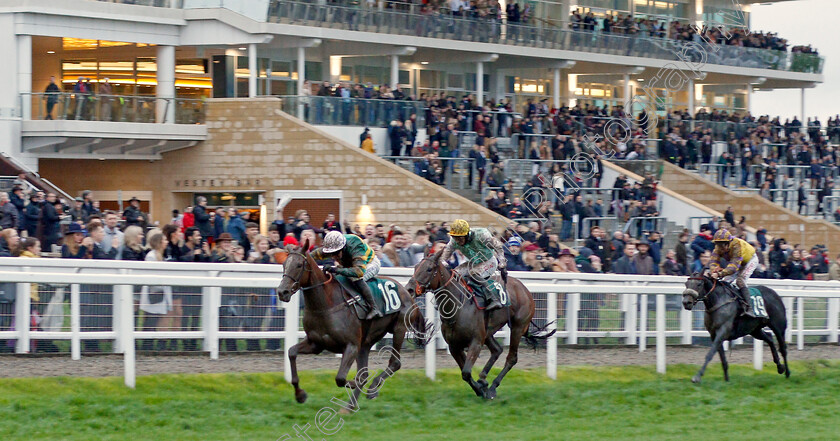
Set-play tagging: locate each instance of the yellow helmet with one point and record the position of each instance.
(722, 235)
(460, 227)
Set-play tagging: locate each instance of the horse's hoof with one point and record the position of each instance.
(490, 394)
(346, 411)
(787, 373)
(372, 395)
(300, 396)
(695, 379)
(479, 392)
(482, 383)
(780, 369)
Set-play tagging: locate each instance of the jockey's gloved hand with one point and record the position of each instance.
(329, 269)
(503, 271)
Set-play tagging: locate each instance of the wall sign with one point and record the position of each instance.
(216, 183)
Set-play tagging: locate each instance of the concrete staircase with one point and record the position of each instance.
(760, 213)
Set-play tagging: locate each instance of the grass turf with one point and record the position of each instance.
(584, 403)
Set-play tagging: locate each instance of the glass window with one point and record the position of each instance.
(250, 199)
(455, 81)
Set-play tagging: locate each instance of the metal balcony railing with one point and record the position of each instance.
(115, 108)
(499, 31)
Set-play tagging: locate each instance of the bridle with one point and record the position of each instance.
(706, 294)
(306, 269)
(421, 288)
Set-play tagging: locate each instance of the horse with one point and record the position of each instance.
(466, 327)
(724, 322)
(331, 324)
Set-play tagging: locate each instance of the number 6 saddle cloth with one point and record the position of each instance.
(386, 295)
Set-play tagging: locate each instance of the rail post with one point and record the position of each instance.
(126, 332)
(660, 333)
(833, 318)
(431, 346)
(22, 316)
(212, 300)
(551, 346)
(800, 323)
(643, 316)
(75, 322)
(291, 313)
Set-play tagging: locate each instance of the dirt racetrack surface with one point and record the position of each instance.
(103, 365)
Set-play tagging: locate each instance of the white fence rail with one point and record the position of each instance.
(575, 304)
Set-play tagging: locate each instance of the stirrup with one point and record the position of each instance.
(372, 314)
(748, 311)
(493, 305)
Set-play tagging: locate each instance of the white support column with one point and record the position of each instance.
(691, 104)
(395, 71)
(301, 72)
(301, 69)
(626, 97)
(555, 88)
(572, 82)
(749, 97)
(500, 85)
(802, 109)
(24, 63)
(165, 91)
(479, 83)
(292, 314)
(253, 72)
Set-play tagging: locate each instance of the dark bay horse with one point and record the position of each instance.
(331, 324)
(467, 328)
(724, 321)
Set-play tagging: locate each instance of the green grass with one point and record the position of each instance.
(583, 404)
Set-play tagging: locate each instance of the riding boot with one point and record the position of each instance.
(364, 290)
(494, 302)
(745, 301)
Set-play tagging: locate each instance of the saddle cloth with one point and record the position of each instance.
(757, 303)
(386, 295)
(480, 295)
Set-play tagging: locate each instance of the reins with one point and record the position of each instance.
(306, 269)
(705, 295)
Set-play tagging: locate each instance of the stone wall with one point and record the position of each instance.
(760, 213)
(252, 145)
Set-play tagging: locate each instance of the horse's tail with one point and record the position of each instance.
(422, 331)
(536, 334)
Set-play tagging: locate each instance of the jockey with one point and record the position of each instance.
(357, 261)
(742, 262)
(483, 254)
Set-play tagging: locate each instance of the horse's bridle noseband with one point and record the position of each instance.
(706, 294)
(421, 288)
(306, 269)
